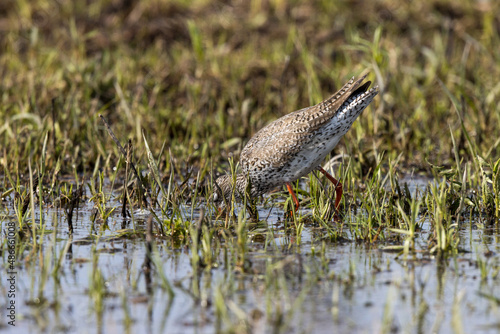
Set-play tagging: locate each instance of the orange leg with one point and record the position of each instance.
(338, 187)
(295, 200)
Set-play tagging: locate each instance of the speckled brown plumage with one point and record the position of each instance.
(295, 144)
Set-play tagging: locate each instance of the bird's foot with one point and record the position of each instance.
(288, 215)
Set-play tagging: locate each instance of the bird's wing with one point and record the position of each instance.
(278, 142)
(275, 144)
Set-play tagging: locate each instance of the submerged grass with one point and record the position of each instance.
(187, 83)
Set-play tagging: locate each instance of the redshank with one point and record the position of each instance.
(296, 144)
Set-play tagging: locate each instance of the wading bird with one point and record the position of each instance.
(296, 144)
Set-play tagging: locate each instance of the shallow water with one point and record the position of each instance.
(352, 288)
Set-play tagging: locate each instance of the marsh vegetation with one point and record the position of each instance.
(122, 240)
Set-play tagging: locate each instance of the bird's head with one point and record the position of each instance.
(223, 189)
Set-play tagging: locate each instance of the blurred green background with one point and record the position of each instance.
(201, 77)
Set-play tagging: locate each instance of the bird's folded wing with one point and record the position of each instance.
(274, 145)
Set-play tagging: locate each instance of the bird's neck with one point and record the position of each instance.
(239, 185)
